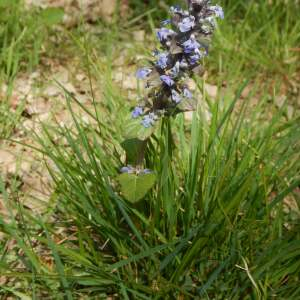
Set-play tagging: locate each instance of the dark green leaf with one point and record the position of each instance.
(134, 150)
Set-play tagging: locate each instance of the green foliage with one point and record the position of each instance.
(22, 34)
(51, 16)
(135, 187)
(159, 8)
(257, 37)
(9, 118)
(211, 226)
(133, 129)
(135, 150)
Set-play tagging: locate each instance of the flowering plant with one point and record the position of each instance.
(184, 39)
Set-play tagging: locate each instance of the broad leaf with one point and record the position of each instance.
(135, 149)
(134, 129)
(135, 187)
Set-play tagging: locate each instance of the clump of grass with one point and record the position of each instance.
(22, 35)
(214, 225)
(258, 37)
(19, 40)
(8, 119)
(9, 116)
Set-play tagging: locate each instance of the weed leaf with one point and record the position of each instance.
(135, 187)
(134, 149)
(134, 129)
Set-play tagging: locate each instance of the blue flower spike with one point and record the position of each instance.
(184, 43)
(182, 38)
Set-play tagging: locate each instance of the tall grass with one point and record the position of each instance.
(20, 42)
(213, 227)
(258, 37)
(23, 33)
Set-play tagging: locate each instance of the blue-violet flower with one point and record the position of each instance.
(138, 111)
(166, 22)
(143, 73)
(218, 10)
(176, 9)
(162, 61)
(190, 45)
(187, 24)
(175, 96)
(187, 93)
(148, 120)
(147, 171)
(194, 59)
(167, 80)
(175, 70)
(164, 33)
(128, 169)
